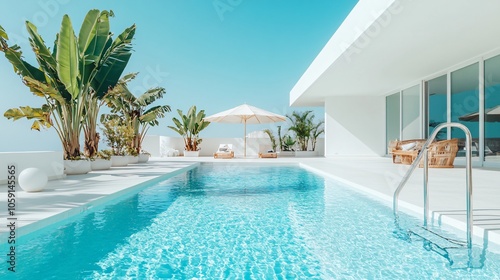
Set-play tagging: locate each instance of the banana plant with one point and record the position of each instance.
(134, 110)
(189, 127)
(71, 77)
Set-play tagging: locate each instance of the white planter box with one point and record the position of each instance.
(306, 153)
(117, 161)
(76, 167)
(191, 153)
(286, 154)
(133, 159)
(143, 158)
(100, 164)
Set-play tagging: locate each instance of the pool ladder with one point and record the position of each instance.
(468, 169)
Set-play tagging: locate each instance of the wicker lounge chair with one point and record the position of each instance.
(441, 153)
(269, 154)
(405, 152)
(224, 151)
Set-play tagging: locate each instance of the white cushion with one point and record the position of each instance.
(408, 147)
(225, 148)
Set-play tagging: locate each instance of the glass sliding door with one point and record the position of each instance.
(392, 117)
(436, 90)
(465, 101)
(492, 109)
(411, 113)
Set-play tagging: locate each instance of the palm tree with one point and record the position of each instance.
(272, 138)
(134, 110)
(70, 76)
(316, 130)
(301, 125)
(280, 139)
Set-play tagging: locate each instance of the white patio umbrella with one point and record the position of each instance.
(245, 114)
(491, 115)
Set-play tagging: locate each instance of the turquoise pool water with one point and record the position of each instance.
(235, 222)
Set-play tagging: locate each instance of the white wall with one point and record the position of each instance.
(158, 146)
(49, 162)
(355, 126)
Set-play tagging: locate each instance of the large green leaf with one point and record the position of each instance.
(120, 92)
(44, 90)
(88, 30)
(86, 36)
(3, 34)
(23, 68)
(96, 47)
(150, 96)
(154, 113)
(114, 62)
(67, 58)
(46, 60)
(179, 127)
(128, 77)
(43, 55)
(41, 116)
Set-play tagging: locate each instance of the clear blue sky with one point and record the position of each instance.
(213, 54)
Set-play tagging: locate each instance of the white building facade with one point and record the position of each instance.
(396, 69)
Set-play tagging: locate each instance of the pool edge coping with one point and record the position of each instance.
(41, 224)
(492, 238)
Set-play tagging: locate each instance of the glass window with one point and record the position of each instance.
(411, 113)
(435, 90)
(492, 108)
(465, 101)
(392, 107)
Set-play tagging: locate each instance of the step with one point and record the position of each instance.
(455, 251)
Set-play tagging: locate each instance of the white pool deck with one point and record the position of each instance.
(378, 177)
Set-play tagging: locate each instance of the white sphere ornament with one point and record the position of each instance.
(32, 179)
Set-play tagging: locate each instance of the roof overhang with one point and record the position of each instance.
(388, 44)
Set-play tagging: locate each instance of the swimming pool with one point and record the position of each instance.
(235, 222)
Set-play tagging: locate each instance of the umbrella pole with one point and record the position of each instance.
(245, 137)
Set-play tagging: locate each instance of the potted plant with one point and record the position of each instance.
(77, 166)
(300, 125)
(189, 127)
(144, 156)
(101, 160)
(118, 136)
(287, 146)
(61, 80)
(135, 111)
(306, 132)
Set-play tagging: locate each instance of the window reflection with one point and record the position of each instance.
(436, 96)
(492, 108)
(465, 101)
(411, 113)
(392, 106)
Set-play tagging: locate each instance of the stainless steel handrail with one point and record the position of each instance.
(468, 177)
